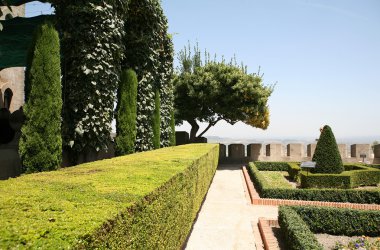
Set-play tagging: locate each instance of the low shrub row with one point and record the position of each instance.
(272, 166)
(300, 223)
(339, 221)
(354, 176)
(296, 232)
(141, 201)
(331, 195)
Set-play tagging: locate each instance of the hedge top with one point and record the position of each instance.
(327, 154)
(66, 205)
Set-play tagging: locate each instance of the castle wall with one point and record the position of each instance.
(13, 78)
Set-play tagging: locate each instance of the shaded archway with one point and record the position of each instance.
(8, 94)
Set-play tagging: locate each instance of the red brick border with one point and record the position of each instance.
(267, 236)
(256, 200)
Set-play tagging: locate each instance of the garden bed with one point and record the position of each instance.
(142, 201)
(300, 224)
(266, 189)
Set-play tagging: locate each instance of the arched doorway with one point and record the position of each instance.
(8, 94)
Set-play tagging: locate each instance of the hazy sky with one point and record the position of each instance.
(323, 54)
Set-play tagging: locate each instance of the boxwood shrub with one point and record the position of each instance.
(339, 221)
(296, 232)
(299, 223)
(141, 201)
(312, 194)
(354, 176)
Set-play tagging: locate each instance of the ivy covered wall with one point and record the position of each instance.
(149, 52)
(91, 38)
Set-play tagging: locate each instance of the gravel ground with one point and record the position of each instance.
(328, 241)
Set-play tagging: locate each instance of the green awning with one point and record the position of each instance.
(15, 39)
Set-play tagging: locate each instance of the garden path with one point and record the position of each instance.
(227, 220)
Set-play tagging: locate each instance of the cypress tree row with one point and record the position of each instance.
(146, 31)
(172, 138)
(326, 155)
(126, 113)
(41, 143)
(92, 33)
(156, 121)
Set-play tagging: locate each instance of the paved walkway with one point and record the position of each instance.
(227, 220)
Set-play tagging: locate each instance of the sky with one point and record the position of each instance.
(323, 56)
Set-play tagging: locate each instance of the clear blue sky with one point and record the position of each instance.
(324, 56)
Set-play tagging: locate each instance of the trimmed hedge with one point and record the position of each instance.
(272, 166)
(140, 201)
(356, 176)
(297, 233)
(338, 221)
(299, 223)
(332, 195)
(327, 154)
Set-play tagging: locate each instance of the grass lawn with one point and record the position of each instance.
(276, 179)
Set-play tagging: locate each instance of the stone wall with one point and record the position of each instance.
(12, 78)
(295, 152)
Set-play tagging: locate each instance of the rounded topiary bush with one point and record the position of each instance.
(326, 155)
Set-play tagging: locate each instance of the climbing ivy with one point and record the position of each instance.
(149, 53)
(92, 33)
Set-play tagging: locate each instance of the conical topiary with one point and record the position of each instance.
(326, 155)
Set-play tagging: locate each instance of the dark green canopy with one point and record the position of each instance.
(16, 38)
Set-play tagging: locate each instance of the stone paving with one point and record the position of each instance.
(227, 220)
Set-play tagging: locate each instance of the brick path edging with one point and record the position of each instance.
(267, 236)
(256, 200)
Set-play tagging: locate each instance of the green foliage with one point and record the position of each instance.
(332, 195)
(327, 154)
(41, 143)
(218, 91)
(297, 233)
(338, 221)
(156, 121)
(271, 166)
(126, 113)
(92, 49)
(141, 201)
(172, 127)
(292, 168)
(356, 177)
(149, 51)
(276, 179)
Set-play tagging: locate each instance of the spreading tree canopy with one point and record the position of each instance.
(213, 91)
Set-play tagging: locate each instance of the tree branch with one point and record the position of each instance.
(211, 124)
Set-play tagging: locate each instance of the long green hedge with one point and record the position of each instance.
(299, 223)
(332, 195)
(297, 233)
(340, 221)
(141, 201)
(354, 176)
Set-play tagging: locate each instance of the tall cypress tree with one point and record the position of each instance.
(326, 155)
(156, 121)
(126, 113)
(41, 143)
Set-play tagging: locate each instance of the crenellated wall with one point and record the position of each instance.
(293, 152)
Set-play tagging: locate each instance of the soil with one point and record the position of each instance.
(328, 241)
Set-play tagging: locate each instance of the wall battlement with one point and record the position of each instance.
(294, 152)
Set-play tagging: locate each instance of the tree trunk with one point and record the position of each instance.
(194, 130)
